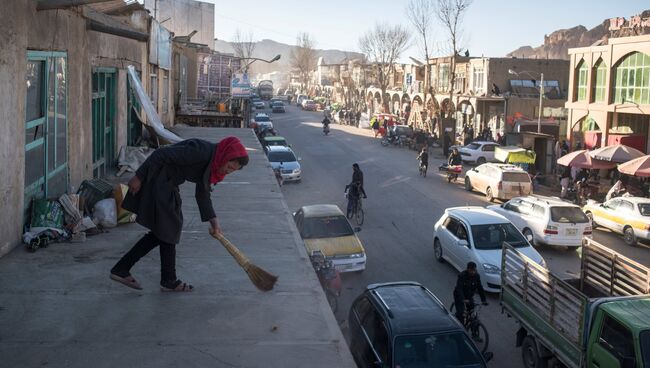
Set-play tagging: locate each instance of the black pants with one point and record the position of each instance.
(140, 249)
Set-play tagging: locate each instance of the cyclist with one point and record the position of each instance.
(469, 282)
(355, 189)
(423, 158)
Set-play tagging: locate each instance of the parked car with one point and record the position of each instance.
(300, 99)
(477, 234)
(259, 104)
(500, 181)
(274, 100)
(274, 140)
(309, 105)
(283, 158)
(277, 106)
(325, 228)
(546, 220)
(629, 216)
(263, 121)
(402, 324)
(479, 152)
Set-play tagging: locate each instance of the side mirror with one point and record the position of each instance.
(299, 158)
(462, 243)
(529, 237)
(357, 229)
(503, 205)
(488, 355)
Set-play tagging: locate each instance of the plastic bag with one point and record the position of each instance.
(47, 214)
(105, 213)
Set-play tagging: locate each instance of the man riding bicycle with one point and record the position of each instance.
(355, 189)
(423, 158)
(469, 282)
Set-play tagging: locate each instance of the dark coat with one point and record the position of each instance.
(467, 285)
(158, 203)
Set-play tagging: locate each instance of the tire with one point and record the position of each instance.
(481, 161)
(628, 236)
(483, 335)
(449, 177)
(359, 217)
(488, 195)
(590, 216)
(468, 185)
(332, 299)
(527, 232)
(437, 251)
(529, 354)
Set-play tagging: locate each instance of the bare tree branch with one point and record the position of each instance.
(383, 45)
(303, 58)
(421, 14)
(243, 44)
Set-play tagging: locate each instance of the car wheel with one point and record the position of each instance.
(437, 251)
(590, 216)
(481, 160)
(489, 195)
(468, 185)
(628, 236)
(527, 232)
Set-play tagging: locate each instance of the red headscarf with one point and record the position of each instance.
(228, 149)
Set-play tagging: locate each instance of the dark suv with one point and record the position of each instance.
(402, 324)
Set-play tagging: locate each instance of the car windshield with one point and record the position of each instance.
(492, 236)
(262, 118)
(282, 156)
(439, 350)
(644, 208)
(326, 227)
(565, 214)
(276, 142)
(517, 177)
(473, 146)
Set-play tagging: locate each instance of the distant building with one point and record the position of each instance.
(609, 98)
(182, 17)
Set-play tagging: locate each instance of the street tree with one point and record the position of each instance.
(450, 13)
(243, 45)
(383, 45)
(421, 14)
(303, 58)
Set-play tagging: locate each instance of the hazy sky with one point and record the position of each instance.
(491, 27)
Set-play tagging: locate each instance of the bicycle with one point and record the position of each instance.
(472, 324)
(357, 211)
(423, 170)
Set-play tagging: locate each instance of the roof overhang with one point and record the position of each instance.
(62, 4)
(101, 22)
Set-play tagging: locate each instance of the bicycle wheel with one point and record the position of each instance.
(359, 216)
(480, 335)
(332, 299)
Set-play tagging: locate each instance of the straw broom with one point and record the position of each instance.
(260, 278)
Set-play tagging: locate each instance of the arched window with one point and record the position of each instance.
(632, 82)
(599, 72)
(581, 79)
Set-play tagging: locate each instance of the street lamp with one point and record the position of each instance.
(541, 94)
(276, 58)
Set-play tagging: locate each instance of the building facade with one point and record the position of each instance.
(609, 99)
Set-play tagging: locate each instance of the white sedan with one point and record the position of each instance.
(476, 234)
(479, 152)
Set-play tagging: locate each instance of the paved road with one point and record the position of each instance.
(400, 212)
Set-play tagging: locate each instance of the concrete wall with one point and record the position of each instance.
(184, 17)
(22, 28)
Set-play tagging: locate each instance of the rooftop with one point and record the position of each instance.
(321, 210)
(475, 215)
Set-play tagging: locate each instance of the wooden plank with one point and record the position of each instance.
(61, 4)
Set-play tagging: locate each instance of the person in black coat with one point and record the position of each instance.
(155, 198)
(468, 283)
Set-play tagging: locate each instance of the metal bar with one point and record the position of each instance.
(34, 123)
(105, 28)
(62, 4)
(31, 145)
(43, 55)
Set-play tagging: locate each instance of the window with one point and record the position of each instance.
(572, 215)
(451, 224)
(599, 72)
(492, 236)
(441, 350)
(461, 233)
(612, 205)
(165, 92)
(512, 205)
(459, 82)
(326, 227)
(489, 148)
(517, 177)
(626, 207)
(644, 208)
(443, 77)
(581, 79)
(377, 334)
(616, 339)
(632, 79)
(478, 83)
(282, 156)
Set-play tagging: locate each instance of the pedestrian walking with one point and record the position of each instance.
(375, 125)
(565, 180)
(155, 198)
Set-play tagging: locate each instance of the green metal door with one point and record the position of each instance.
(46, 126)
(103, 109)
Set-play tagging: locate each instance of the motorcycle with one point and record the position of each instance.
(328, 276)
(395, 140)
(452, 171)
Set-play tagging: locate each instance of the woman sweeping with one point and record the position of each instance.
(154, 197)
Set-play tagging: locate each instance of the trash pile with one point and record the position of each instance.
(96, 206)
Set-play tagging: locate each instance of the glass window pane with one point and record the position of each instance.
(34, 165)
(57, 184)
(34, 102)
(61, 111)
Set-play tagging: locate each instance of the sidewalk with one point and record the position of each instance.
(58, 307)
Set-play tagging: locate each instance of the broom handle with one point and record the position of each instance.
(232, 249)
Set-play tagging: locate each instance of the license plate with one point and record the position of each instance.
(571, 232)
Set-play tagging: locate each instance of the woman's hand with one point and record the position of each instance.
(134, 185)
(214, 226)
